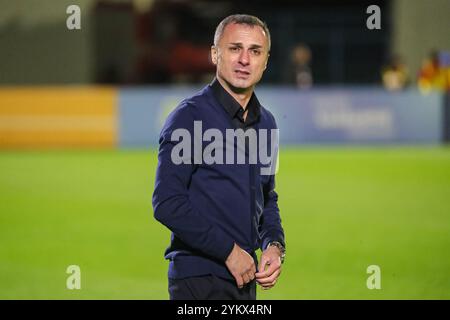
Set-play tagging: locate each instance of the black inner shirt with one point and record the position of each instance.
(234, 109)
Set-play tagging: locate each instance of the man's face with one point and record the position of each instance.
(241, 55)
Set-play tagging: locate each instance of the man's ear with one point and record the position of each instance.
(214, 55)
(267, 61)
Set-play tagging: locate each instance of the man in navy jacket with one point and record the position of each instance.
(212, 190)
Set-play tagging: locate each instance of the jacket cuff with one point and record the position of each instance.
(270, 239)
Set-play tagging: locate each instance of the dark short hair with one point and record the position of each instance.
(240, 19)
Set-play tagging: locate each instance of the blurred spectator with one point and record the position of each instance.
(299, 69)
(395, 75)
(435, 72)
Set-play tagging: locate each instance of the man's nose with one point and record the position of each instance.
(244, 58)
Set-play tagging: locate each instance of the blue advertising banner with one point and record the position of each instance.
(142, 112)
(319, 116)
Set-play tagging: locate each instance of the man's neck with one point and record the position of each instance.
(242, 97)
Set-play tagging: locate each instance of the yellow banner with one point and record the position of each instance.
(46, 117)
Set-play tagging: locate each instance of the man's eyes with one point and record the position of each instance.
(255, 52)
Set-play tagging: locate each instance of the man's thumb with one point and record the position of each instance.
(262, 265)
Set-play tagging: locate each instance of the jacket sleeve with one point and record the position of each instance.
(171, 203)
(270, 228)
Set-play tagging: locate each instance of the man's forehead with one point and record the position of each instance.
(235, 31)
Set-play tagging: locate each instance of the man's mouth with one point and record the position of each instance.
(241, 72)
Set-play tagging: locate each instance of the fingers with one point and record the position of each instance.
(243, 279)
(267, 281)
(262, 264)
(246, 278)
(270, 270)
(242, 266)
(268, 278)
(269, 286)
(239, 281)
(249, 276)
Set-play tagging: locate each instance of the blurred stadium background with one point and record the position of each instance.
(364, 118)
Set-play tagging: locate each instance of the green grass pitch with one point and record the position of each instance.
(343, 209)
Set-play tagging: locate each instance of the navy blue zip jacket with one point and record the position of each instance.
(209, 207)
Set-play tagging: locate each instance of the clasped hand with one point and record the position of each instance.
(243, 268)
